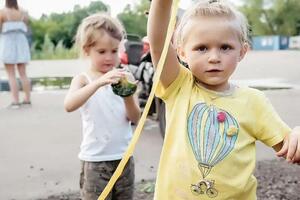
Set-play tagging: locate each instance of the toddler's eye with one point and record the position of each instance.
(101, 51)
(225, 47)
(114, 51)
(202, 48)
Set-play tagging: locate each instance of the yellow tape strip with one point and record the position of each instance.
(142, 121)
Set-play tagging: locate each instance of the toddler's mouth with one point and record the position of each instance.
(214, 70)
(108, 65)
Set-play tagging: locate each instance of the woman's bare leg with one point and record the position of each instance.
(14, 89)
(25, 81)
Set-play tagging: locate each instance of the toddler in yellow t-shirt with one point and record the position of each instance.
(212, 125)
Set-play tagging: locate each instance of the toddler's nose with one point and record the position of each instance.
(214, 56)
(109, 57)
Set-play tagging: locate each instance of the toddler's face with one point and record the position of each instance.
(104, 54)
(212, 50)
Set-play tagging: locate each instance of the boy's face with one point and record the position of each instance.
(212, 50)
(104, 54)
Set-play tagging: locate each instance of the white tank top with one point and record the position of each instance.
(105, 127)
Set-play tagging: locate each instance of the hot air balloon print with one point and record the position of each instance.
(212, 133)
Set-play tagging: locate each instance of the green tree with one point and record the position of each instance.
(134, 18)
(273, 17)
(62, 27)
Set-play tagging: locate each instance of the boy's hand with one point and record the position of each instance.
(111, 77)
(291, 147)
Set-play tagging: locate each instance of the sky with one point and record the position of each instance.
(36, 8)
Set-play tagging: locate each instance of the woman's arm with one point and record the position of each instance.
(26, 17)
(158, 20)
(1, 19)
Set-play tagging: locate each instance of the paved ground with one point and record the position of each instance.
(268, 67)
(39, 145)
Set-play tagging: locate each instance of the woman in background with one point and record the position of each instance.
(14, 49)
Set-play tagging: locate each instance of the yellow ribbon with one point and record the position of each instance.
(142, 121)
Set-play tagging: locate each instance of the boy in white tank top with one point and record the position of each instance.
(105, 116)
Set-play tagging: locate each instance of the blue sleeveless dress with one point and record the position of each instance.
(14, 46)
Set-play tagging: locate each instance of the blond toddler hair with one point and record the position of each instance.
(93, 25)
(212, 8)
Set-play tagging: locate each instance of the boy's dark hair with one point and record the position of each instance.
(12, 4)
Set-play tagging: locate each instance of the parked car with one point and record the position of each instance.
(131, 51)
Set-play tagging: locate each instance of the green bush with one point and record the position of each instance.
(50, 52)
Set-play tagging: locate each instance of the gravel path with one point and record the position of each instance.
(277, 180)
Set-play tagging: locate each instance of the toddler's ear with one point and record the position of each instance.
(86, 51)
(244, 49)
(181, 54)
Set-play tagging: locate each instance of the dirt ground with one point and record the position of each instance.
(277, 180)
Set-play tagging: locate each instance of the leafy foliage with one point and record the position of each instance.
(50, 51)
(53, 35)
(62, 27)
(134, 19)
(273, 17)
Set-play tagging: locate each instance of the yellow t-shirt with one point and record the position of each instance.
(209, 145)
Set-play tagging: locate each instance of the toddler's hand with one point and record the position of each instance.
(112, 77)
(126, 87)
(291, 147)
